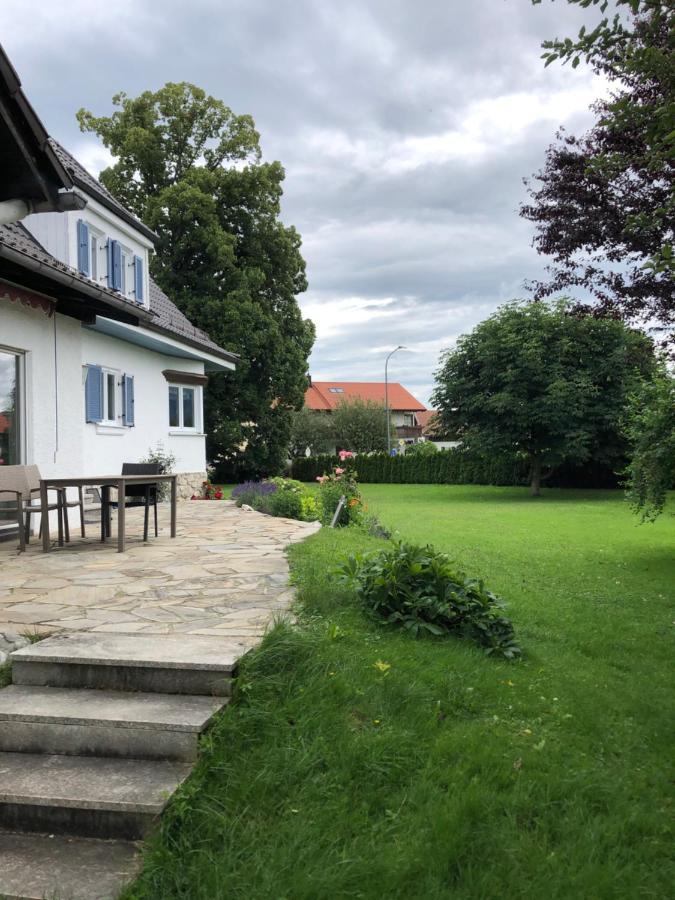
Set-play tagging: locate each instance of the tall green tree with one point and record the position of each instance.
(311, 429)
(651, 431)
(361, 426)
(542, 383)
(192, 170)
(604, 204)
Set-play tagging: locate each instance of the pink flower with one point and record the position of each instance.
(321, 478)
(340, 471)
(345, 454)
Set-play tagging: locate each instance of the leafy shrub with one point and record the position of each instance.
(419, 589)
(248, 492)
(286, 503)
(278, 497)
(424, 448)
(341, 482)
(166, 461)
(453, 466)
(309, 507)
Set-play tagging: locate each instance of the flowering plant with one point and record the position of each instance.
(341, 482)
(209, 492)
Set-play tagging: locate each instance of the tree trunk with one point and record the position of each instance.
(535, 476)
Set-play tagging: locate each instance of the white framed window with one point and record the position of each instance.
(184, 407)
(126, 273)
(112, 397)
(336, 390)
(409, 419)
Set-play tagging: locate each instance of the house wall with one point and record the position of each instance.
(52, 409)
(107, 447)
(58, 235)
(56, 437)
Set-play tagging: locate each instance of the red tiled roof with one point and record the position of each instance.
(425, 419)
(326, 395)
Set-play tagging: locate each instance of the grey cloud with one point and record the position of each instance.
(337, 91)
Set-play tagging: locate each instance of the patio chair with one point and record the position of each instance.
(136, 495)
(24, 483)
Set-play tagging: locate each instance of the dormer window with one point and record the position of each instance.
(336, 390)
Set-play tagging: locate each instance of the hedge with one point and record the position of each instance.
(451, 466)
(445, 467)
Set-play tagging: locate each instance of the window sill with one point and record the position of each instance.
(185, 432)
(110, 429)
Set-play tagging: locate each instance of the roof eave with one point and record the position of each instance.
(227, 355)
(65, 279)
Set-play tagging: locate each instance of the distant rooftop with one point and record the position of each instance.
(326, 395)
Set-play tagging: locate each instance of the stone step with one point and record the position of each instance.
(165, 664)
(85, 796)
(86, 722)
(35, 866)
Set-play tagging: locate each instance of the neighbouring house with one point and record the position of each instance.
(97, 365)
(324, 396)
(432, 432)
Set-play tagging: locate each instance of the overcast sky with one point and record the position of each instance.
(405, 127)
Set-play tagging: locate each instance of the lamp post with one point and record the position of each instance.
(386, 395)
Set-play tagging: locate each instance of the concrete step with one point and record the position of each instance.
(167, 664)
(35, 866)
(86, 722)
(85, 796)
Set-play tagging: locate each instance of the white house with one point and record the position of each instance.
(97, 365)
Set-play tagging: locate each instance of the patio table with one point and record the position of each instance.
(105, 482)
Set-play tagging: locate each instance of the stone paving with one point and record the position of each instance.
(225, 573)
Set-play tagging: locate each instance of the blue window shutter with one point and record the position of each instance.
(82, 247)
(117, 265)
(128, 391)
(138, 279)
(109, 256)
(93, 394)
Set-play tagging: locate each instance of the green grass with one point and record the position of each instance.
(453, 775)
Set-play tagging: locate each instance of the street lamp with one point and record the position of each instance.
(386, 394)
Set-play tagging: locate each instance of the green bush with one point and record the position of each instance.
(452, 466)
(424, 448)
(286, 502)
(278, 497)
(341, 482)
(419, 589)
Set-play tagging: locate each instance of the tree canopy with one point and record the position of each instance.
(651, 431)
(604, 205)
(539, 382)
(361, 426)
(311, 429)
(192, 170)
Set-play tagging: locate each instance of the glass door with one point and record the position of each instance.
(10, 422)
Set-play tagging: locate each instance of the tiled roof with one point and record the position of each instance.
(88, 183)
(170, 318)
(326, 395)
(426, 419)
(18, 238)
(166, 315)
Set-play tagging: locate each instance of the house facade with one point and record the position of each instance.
(325, 396)
(97, 365)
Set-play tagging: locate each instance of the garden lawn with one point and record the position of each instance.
(359, 762)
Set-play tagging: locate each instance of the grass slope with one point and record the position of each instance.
(453, 775)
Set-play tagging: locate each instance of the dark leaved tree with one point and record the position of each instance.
(192, 171)
(542, 383)
(604, 205)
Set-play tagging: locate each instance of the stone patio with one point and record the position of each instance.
(225, 573)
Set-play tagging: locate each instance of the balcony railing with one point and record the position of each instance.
(408, 431)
